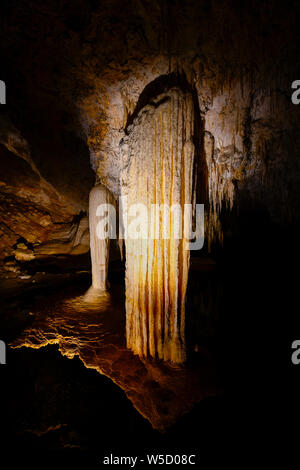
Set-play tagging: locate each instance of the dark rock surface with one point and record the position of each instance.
(58, 410)
(91, 326)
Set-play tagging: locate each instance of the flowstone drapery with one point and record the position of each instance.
(157, 168)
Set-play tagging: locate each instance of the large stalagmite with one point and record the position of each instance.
(99, 195)
(157, 168)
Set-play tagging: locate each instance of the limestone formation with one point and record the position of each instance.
(71, 114)
(157, 168)
(99, 195)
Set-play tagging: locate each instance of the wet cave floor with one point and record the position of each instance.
(105, 399)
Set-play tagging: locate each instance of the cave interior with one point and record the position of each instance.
(162, 102)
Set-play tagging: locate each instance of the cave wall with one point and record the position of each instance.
(75, 73)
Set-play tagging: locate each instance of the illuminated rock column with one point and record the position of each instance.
(99, 247)
(157, 168)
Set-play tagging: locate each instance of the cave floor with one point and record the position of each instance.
(92, 328)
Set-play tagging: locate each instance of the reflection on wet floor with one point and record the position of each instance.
(91, 325)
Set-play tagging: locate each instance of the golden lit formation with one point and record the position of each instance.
(157, 168)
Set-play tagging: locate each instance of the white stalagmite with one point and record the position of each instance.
(99, 247)
(157, 168)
